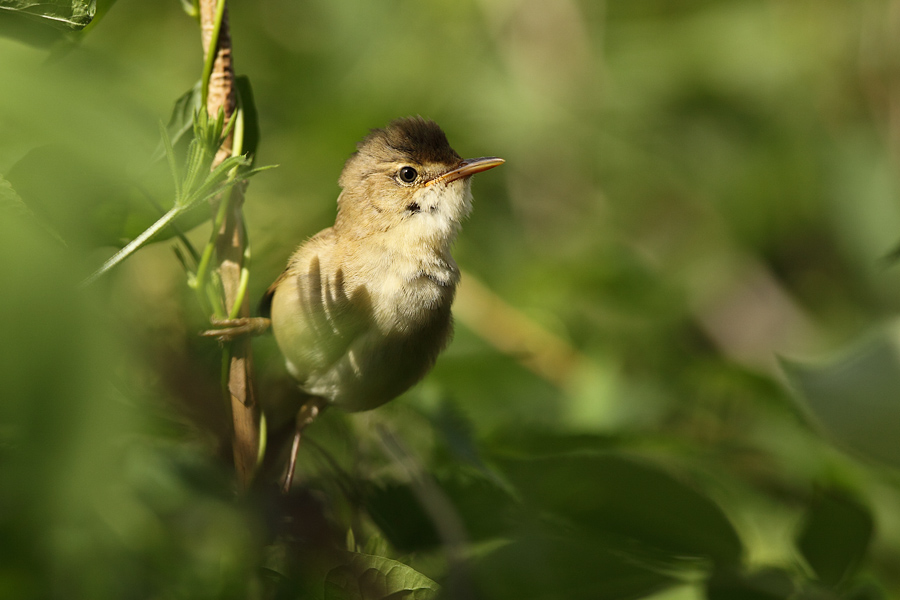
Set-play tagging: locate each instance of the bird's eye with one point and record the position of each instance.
(407, 174)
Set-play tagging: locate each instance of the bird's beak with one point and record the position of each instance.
(468, 167)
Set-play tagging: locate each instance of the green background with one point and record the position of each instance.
(683, 383)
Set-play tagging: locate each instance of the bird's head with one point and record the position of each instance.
(406, 178)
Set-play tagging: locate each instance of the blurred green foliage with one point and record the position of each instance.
(697, 206)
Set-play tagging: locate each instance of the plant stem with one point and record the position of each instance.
(244, 280)
(211, 51)
(230, 243)
(201, 283)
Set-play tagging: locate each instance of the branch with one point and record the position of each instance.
(231, 244)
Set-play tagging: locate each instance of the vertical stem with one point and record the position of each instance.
(220, 93)
(230, 244)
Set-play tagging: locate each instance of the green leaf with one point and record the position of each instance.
(549, 567)
(86, 197)
(37, 29)
(457, 432)
(208, 137)
(487, 511)
(854, 397)
(191, 7)
(251, 116)
(835, 536)
(181, 120)
(367, 577)
(376, 545)
(768, 584)
(10, 202)
(398, 514)
(171, 161)
(628, 502)
(29, 30)
(71, 14)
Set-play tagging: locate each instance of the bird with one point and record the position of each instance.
(363, 308)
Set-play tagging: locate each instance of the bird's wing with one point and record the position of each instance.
(317, 314)
(264, 308)
(323, 238)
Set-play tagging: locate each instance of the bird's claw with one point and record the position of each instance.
(229, 330)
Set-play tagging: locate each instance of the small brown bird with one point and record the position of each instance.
(363, 309)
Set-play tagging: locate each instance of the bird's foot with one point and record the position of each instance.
(228, 330)
(306, 415)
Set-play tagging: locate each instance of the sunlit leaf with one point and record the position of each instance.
(367, 577)
(74, 14)
(191, 7)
